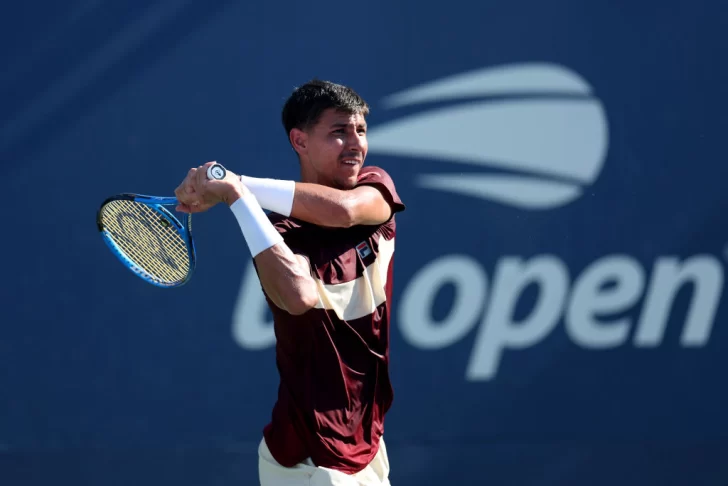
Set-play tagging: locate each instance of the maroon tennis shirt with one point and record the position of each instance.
(333, 360)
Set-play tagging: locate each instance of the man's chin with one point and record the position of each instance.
(349, 184)
(346, 183)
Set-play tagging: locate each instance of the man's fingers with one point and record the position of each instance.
(183, 195)
(190, 182)
(188, 185)
(186, 192)
(201, 175)
(193, 207)
(192, 195)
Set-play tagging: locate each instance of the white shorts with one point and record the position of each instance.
(307, 474)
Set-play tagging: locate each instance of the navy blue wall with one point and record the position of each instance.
(560, 305)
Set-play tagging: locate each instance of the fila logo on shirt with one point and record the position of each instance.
(363, 250)
(534, 135)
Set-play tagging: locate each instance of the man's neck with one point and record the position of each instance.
(312, 178)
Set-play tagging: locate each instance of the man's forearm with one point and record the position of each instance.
(324, 206)
(314, 203)
(318, 204)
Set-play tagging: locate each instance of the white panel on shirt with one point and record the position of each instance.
(360, 297)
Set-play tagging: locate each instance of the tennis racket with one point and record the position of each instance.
(148, 239)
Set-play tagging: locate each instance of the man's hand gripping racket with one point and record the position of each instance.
(147, 238)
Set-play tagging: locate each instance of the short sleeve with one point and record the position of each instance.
(292, 231)
(285, 226)
(378, 177)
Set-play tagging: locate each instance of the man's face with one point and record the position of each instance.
(335, 149)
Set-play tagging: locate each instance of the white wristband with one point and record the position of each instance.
(272, 194)
(259, 232)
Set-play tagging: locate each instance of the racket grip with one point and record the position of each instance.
(216, 171)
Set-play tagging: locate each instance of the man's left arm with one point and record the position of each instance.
(327, 206)
(372, 202)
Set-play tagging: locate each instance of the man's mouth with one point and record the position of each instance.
(351, 162)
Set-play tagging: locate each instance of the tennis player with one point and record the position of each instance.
(324, 258)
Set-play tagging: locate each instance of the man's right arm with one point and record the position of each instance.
(286, 279)
(285, 276)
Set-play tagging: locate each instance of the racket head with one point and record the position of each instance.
(147, 238)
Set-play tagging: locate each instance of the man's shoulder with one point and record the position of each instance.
(376, 176)
(373, 173)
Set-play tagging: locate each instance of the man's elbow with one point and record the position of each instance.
(303, 300)
(344, 214)
(355, 211)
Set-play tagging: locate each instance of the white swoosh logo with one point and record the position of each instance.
(557, 144)
(504, 80)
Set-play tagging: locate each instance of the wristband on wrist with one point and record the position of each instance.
(258, 231)
(272, 194)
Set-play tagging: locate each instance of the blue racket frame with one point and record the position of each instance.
(157, 204)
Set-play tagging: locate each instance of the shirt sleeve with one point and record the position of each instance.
(378, 177)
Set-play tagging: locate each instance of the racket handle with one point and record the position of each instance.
(216, 171)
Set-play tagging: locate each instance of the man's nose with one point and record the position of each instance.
(354, 142)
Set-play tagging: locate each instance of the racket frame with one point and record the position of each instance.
(157, 204)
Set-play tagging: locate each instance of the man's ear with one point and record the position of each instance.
(299, 140)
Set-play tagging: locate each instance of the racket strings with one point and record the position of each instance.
(148, 239)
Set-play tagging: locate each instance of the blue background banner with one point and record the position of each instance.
(559, 309)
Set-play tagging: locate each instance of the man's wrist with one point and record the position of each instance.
(235, 191)
(258, 231)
